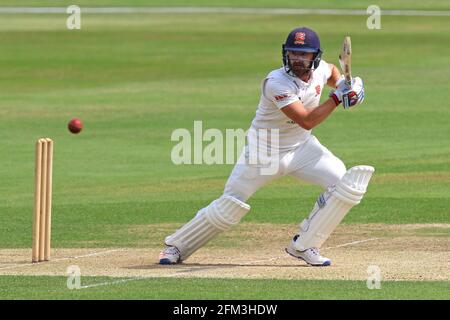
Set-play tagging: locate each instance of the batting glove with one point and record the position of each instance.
(348, 96)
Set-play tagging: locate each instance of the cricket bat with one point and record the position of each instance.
(345, 60)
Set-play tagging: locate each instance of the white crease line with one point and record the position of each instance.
(94, 254)
(112, 282)
(351, 243)
(230, 10)
(338, 246)
(174, 275)
(257, 261)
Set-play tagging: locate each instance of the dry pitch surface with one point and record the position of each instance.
(402, 252)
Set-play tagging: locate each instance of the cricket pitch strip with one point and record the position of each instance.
(402, 252)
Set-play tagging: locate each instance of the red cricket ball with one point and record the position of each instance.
(75, 125)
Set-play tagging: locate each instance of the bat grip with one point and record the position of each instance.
(348, 81)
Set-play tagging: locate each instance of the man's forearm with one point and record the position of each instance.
(334, 78)
(319, 114)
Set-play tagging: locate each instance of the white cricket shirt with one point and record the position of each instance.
(280, 89)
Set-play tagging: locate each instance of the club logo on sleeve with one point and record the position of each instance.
(318, 89)
(281, 97)
(300, 38)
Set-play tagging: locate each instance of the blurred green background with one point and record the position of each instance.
(134, 78)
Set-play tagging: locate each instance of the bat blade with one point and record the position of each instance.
(345, 60)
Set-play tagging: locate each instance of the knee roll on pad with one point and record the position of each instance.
(218, 216)
(332, 206)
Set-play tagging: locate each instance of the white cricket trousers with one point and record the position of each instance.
(310, 162)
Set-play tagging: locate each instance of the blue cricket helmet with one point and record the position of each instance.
(304, 40)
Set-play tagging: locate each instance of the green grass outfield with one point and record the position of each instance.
(326, 4)
(133, 79)
(27, 287)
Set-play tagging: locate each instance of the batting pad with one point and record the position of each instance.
(332, 206)
(219, 216)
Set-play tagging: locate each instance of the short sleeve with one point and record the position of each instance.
(325, 70)
(281, 94)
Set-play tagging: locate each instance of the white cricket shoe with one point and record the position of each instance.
(170, 255)
(310, 256)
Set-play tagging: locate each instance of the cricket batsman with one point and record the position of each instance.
(289, 103)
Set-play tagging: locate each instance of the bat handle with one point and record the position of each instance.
(348, 81)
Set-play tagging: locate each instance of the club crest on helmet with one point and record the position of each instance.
(299, 38)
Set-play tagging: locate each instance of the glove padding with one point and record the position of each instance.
(348, 96)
